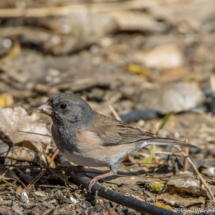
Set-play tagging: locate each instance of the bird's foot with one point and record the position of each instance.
(92, 182)
(98, 177)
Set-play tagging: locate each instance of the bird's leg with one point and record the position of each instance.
(113, 171)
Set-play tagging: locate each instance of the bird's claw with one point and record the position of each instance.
(92, 182)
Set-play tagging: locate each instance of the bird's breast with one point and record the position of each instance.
(65, 141)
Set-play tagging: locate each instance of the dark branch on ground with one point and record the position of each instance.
(119, 198)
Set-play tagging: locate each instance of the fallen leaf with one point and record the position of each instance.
(157, 187)
(20, 153)
(138, 69)
(161, 205)
(166, 56)
(136, 21)
(174, 97)
(176, 200)
(12, 121)
(186, 183)
(173, 75)
(40, 193)
(6, 100)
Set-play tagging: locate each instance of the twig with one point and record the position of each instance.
(19, 180)
(152, 147)
(198, 174)
(104, 206)
(170, 153)
(35, 180)
(28, 132)
(185, 167)
(1, 176)
(114, 112)
(119, 198)
(9, 183)
(42, 172)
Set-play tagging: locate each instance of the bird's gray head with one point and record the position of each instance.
(68, 110)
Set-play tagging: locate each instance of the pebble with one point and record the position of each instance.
(84, 204)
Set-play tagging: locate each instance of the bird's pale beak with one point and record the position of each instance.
(46, 108)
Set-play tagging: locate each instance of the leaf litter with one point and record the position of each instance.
(150, 64)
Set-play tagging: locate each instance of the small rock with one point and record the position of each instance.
(53, 201)
(108, 204)
(186, 182)
(17, 208)
(36, 211)
(85, 204)
(125, 211)
(174, 97)
(5, 210)
(121, 213)
(134, 213)
(40, 193)
(24, 197)
(97, 210)
(64, 209)
(73, 200)
(162, 57)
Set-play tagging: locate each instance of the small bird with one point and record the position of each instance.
(88, 138)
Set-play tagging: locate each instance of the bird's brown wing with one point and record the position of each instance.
(114, 132)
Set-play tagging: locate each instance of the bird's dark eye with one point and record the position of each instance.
(63, 106)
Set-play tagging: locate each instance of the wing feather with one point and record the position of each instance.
(114, 132)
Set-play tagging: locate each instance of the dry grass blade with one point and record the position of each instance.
(42, 172)
(185, 167)
(9, 183)
(104, 206)
(198, 174)
(1, 176)
(114, 113)
(28, 132)
(170, 153)
(19, 180)
(35, 180)
(152, 147)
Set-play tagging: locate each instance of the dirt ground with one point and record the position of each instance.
(152, 61)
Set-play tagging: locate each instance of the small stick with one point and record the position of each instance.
(42, 172)
(170, 153)
(114, 113)
(9, 183)
(104, 206)
(28, 132)
(1, 176)
(185, 167)
(198, 174)
(19, 180)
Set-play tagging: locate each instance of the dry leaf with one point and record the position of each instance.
(166, 56)
(167, 207)
(176, 200)
(186, 183)
(175, 97)
(173, 75)
(14, 120)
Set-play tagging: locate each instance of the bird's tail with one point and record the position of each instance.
(166, 141)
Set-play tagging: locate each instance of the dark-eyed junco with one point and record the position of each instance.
(88, 138)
